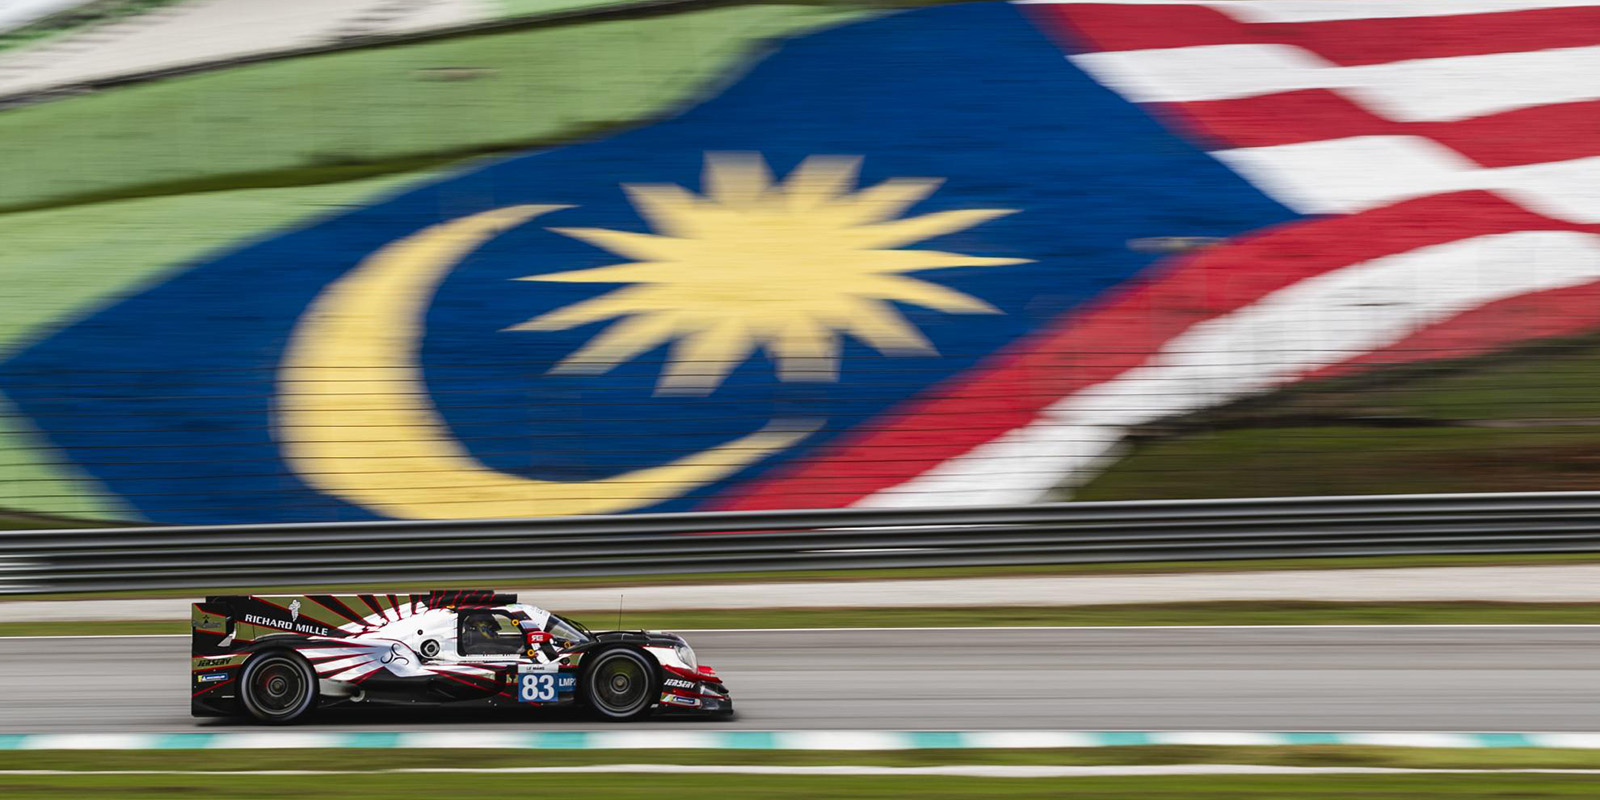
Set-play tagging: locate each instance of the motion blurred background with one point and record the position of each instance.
(1159, 315)
(306, 261)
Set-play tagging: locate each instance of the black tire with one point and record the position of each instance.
(278, 687)
(620, 684)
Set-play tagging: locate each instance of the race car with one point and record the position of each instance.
(279, 658)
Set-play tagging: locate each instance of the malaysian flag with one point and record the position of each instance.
(919, 260)
(1446, 153)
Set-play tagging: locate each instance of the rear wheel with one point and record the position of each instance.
(278, 687)
(621, 684)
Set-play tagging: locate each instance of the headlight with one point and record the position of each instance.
(686, 655)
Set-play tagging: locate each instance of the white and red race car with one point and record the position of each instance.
(279, 658)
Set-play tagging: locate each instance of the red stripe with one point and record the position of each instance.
(211, 687)
(1096, 344)
(376, 668)
(1382, 41)
(487, 685)
(1526, 136)
(1567, 311)
(1087, 27)
(1348, 43)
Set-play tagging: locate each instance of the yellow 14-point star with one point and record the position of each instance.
(753, 264)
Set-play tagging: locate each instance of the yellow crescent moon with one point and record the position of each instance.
(354, 419)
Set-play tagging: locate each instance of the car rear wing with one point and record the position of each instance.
(224, 624)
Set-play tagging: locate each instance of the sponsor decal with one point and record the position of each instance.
(207, 663)
(294, 611)
(212, 677)
(536, 640)
(679, 683)
(286, 625)
(209, 622)
(396, 655)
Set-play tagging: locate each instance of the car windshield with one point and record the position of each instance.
(563, 628)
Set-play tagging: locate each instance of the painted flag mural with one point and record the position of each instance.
(921, 260)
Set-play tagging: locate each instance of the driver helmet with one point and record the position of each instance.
(483, 626)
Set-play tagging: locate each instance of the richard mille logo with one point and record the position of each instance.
(285, 625)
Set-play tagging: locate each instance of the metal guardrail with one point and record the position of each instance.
(754, 541)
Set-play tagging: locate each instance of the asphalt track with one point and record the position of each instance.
(1495, 678)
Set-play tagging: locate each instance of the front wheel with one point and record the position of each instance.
(278, 688)
(621, 684)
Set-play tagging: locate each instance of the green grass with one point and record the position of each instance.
(390, 785)
(1519, 421)
(548, 582)
(1290, 756)
(373, 108)
(1338, 460)
(766, 787)
(1211, 613)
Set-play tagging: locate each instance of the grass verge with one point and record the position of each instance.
(376, 760)
(388, 786)
(1220, 613)
(1521, 420)
(546, 583)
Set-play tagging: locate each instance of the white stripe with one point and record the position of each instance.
(1440, 740)
(1217, 738)
(1029, 739)
(1573, 741)
(1325, 10)
(274, 741)
(89, 741)
(328, 652)
(357, 671)
(1431, 89)
(840, 740)
(1313, 323)
(491, 740)
(1344, 176)
(329, 667)
(652, 740)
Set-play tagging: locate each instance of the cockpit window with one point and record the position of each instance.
(564, 630)
(487, 633)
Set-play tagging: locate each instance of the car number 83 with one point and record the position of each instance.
(537, 688)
